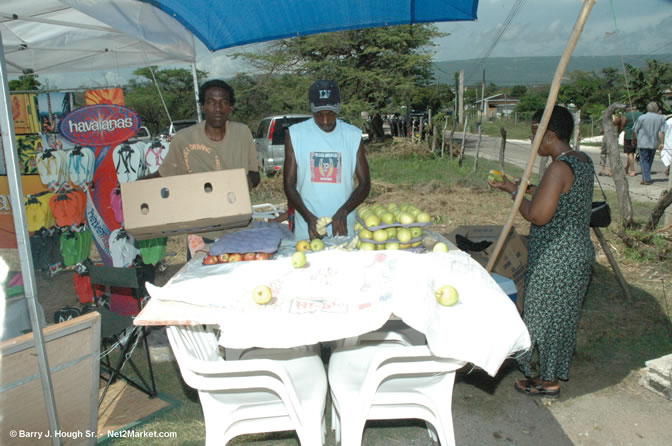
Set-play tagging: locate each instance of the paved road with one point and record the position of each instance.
(518, 153)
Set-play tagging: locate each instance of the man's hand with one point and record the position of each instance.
(312, 227)
(339, 223)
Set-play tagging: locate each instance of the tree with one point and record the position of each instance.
(376, 68)
(648, 85)
(177, 88)
(25, 82)
(518, 91)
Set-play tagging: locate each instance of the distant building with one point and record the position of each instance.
(497, 106)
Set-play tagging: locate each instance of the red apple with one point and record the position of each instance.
(263, 255)
(210, 260)
(235, 257)
(250, 256)
(223, 258)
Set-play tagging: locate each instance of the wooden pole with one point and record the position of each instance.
(543, 125)
(614, 265)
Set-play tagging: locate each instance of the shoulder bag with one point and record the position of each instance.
(600, 215)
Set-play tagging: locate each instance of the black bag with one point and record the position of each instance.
(600, 215)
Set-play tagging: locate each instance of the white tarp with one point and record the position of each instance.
(344, 294)
(50, 36)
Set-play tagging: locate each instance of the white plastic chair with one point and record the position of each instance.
(285, 391)
(387, 381)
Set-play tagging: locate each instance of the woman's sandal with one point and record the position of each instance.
(534, 389)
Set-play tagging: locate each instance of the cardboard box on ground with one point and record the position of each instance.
(512, 260)
(194, 203)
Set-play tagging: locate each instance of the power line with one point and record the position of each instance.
(515, 9)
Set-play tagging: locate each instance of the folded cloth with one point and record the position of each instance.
(265, 239)
(468, 245)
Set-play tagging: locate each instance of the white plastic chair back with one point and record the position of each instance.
(388, 381)
(252, 395)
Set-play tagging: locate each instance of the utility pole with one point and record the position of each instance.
(461, 96)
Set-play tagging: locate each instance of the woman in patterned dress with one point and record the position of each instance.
(560, 257)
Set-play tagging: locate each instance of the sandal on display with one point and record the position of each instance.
(529, 387)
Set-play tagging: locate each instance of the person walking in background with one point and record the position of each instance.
(626, 123)
(323, 155)
(666, 150)
(647, 133)
(560, 257)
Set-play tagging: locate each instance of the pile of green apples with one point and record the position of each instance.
(393, 226)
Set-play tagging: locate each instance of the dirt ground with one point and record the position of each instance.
(602, 403)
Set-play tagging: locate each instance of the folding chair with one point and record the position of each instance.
(118, 331)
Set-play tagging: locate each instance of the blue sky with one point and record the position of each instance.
(541, 28)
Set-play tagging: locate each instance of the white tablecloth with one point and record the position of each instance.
(344, 294)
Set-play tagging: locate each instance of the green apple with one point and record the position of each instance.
(392, 245)
(371, 221)
(262, 294)
(358, 226)
(302, 245)
(440, 247)
(365, 234)
(380, 235)
(423, 217)
(405, 245)
(387, 218)
(416, 231)
(392, 205)
(414, 211)
(316, 245)
(367, 246)
(405, 218)
(404, 235)
(446, 295)
(299, 259)
(362, 210)
(391, 232)
(380, 247)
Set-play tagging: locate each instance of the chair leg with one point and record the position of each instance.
(117, 369)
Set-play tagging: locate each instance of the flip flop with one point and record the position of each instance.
(532, 389)
(601, 174)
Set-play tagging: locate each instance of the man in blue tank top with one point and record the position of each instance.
(323, 156)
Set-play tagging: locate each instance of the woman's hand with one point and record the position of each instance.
(506, 185)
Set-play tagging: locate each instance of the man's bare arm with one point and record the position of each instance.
(339, 220)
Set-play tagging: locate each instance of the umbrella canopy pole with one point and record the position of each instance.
(23, 244)
(541, 130)
(195, 78)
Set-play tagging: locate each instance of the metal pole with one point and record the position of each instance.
(198, 104)
(23, 245)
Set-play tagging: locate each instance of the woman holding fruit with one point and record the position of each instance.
(560, 258)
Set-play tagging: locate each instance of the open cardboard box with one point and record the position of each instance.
(512, 260)
(200, 202)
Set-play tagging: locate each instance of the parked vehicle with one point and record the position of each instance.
(163, 135)
(176, 126)
(269, 140)
(143, 135)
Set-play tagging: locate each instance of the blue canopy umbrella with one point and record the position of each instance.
(226, 23)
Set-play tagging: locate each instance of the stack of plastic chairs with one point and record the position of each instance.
(278, 390)
(386, 377)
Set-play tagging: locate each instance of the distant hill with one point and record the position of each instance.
(510, 71)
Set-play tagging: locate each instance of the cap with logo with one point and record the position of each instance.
(324, 95)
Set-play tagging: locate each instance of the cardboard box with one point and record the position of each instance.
(512, 260)
(192, 203)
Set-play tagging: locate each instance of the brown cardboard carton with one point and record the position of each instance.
(194, 203)
(512, 260)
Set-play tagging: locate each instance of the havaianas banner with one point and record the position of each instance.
(101, 127)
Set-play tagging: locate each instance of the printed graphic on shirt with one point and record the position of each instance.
(199, 148)
(327, 167)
